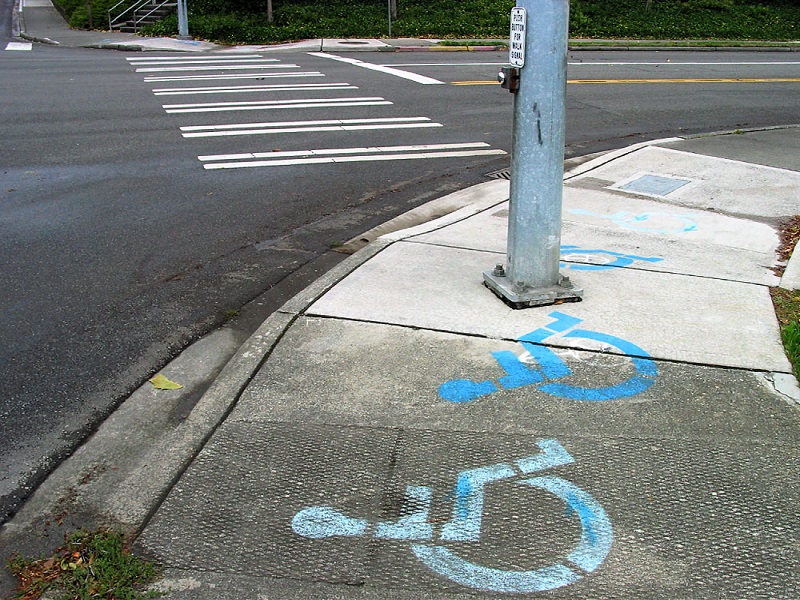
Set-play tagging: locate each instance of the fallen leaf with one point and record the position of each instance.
(162, 383)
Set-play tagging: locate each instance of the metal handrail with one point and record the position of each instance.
(111, 9)
(133, 8)
(155, 8)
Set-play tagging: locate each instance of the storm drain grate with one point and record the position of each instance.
(501, 174)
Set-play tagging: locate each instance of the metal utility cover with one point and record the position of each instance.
(654, 185)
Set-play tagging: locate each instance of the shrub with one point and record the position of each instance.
(244, 21)
(76, 12)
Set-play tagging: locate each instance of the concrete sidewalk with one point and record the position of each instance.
(40, 22)
(653, 426)
(396, 431)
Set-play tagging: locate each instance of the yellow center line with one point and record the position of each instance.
(620, 81)
(697, 80)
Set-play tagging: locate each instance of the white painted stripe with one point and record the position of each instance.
(242, 89)
(313, 129)
(305, 123)
(339, 151)
(673, 63)
(234, 76)
(214, 68)
(466, 64)
(213, 61)
(271, 102)
(195, 58)
(307, 104)
(15, 46)
(350, 159)
(380, 68)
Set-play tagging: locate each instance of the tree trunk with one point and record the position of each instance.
(269, 11)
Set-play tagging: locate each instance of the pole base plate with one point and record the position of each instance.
(560, 293)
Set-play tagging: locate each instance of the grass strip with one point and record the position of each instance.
(89, 565)
(787, 310)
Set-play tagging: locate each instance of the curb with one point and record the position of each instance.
(16, 18)
(123, 47)
(791, 274)
(597, 47)
(38, 40)
(497, 48)
(641, 48)
(19, 30)
(89, 489)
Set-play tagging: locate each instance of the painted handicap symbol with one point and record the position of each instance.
(319, 522)
(598, 260)
(651, 222)
(551, 368)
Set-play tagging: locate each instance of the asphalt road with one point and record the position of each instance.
(133, 223)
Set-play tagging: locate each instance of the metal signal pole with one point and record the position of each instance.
(538, 78)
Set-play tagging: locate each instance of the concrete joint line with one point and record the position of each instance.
(660, 359)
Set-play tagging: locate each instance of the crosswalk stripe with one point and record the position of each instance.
(343, 151)
(232, 126)
(233, 76)
(308, 127)
(274, 105)
(257, 102)
(269, 102)
(351, 159)
(24, 46)
(214, 68)
(295, 157)
(183, 61)
(313, 129)
(242, 89)
(202, 58)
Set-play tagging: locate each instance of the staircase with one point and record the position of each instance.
(131, 15)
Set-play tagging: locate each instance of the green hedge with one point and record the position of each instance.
(244, 21)
(687, 19)
(303, 19)
(76, 12)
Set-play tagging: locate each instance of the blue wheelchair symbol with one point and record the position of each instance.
(551, 367)
(599, 259)
(318, 522)
(643, 221)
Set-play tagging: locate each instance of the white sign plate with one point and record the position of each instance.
(516, 53)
